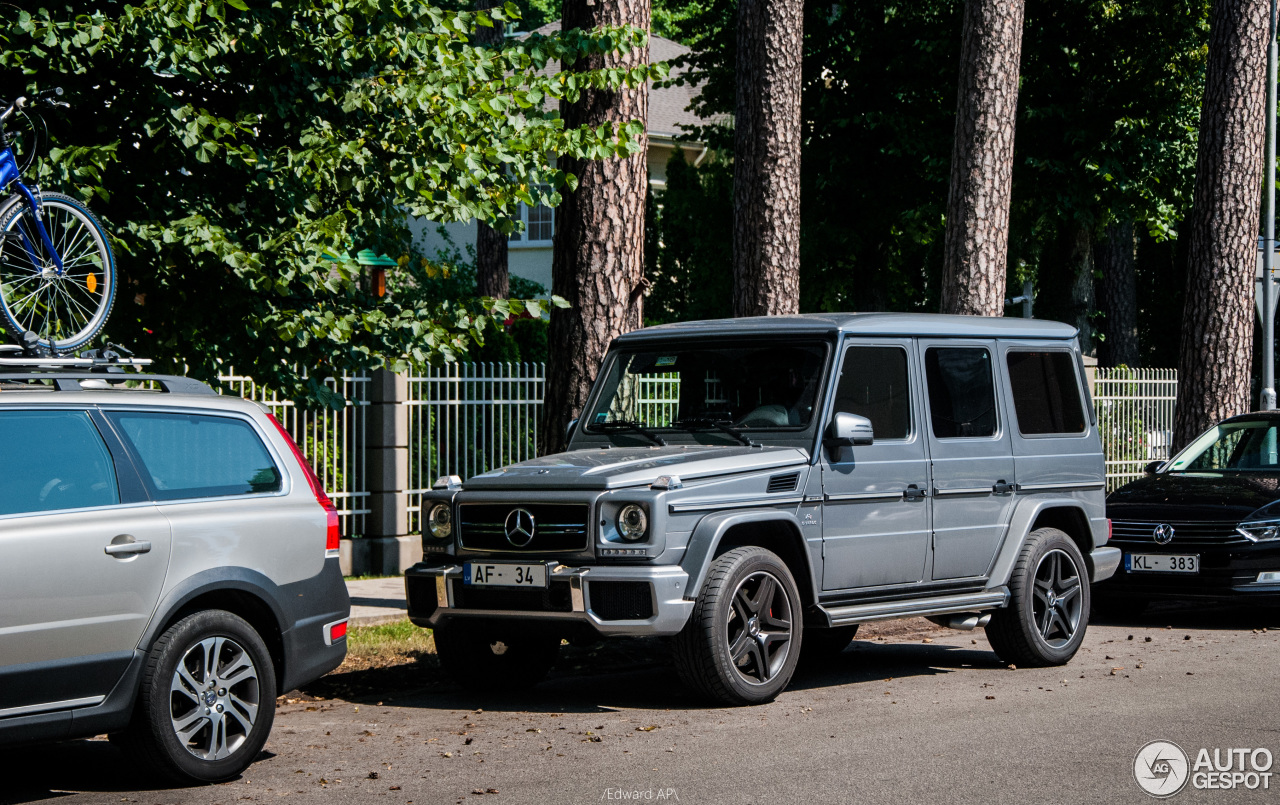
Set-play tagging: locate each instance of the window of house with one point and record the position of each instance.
(539, 222)
(873, 383)
(1046, 394)
(53, 460)
(962, 392)
(199, 456)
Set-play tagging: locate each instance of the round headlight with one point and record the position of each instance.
(440, 520)
(633, 523)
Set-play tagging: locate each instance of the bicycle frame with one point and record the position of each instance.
(10, 176)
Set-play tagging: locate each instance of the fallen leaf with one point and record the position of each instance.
(990, 697)
(373, 775)
(649, 728)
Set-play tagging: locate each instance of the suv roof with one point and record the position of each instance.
(885, 324)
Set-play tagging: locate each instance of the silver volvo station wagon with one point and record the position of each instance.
(168, 565)
(755, 488)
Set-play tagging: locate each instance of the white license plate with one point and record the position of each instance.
(480, 574)
(1161, 563)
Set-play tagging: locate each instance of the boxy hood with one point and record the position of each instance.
(617, 467)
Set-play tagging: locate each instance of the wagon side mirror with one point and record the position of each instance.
(1151, 468)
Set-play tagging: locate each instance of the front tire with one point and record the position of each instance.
(492, 658)
(1048, 610)
(742, 642)
(207, 701)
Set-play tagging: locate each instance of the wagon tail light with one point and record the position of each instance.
(333, 534)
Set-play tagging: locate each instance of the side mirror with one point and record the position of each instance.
(1151, 468)
(849, 430)
(568, 430)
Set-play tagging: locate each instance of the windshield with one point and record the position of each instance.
(727, 388)
(1232, 447)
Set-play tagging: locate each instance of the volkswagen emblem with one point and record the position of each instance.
(519, 527)
(1163, 534)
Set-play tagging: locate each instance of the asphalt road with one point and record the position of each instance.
(917, 717)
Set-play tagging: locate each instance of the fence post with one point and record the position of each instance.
(390, 548)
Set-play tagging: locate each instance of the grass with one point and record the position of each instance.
(387, 644)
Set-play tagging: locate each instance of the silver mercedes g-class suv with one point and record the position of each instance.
(755, 487)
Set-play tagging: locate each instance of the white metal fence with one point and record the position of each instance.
(467, 418)
(1135, 419)
(331, 439)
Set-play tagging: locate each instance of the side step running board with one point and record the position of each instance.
(941, 605)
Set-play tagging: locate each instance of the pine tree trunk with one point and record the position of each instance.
(1082, 296)
(598, 257)
(766, 158)
(975, 250)
(1118, 297)
(492, 277)
(1216, 353)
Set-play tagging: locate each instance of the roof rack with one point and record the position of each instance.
(67, 374)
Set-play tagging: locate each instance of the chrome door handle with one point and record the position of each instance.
(913, 492)
(126, 548)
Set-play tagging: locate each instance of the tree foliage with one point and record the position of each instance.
(228, 147)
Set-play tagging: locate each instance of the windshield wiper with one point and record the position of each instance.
(631, 426)
(722, 425)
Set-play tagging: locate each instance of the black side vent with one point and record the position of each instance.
(784, 483)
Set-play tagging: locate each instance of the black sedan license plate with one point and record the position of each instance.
(498, 574)
(1161, 563)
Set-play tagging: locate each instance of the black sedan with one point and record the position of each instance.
(1205, 524)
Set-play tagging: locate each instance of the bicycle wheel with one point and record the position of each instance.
(64, 308)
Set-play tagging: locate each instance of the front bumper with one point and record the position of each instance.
(1227, 571)
(611, 600)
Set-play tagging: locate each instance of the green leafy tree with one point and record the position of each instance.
(227, 147)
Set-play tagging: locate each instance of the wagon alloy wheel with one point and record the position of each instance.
(215, 698)
(206, 700)
(1057, 597)
(759, 628)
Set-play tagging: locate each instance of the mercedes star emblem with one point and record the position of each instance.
(1163, 534)
(519, 527)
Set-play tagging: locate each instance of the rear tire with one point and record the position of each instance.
(493, 658)
(743, 640)
(1049, 597)
(207, 700)
(65, 311)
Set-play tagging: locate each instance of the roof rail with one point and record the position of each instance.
(72, 381)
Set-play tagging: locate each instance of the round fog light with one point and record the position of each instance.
(440, 521)
(633, 523)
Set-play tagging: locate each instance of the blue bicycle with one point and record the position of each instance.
(57, 274)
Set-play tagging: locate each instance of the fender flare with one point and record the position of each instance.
(709, 532)
(1024, 516)
(219, 579)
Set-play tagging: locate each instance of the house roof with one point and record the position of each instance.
(668, 106)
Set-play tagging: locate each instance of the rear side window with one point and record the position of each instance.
(53, 460)
(199, 456)
(1046, 395)
(962, 393)
(873, 383)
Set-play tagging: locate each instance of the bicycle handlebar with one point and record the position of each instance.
(46, 97)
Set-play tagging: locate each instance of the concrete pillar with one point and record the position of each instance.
(391, 549)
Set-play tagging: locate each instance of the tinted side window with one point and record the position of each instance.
(53, 460)
(199, 456)
(962, 394)
(873, 383)
(1045, 394)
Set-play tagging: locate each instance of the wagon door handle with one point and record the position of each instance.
(913, 492)
(126, 545)
(1003, 487)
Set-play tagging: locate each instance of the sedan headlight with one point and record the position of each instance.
(1260, 530)
(440, 521)
(633, 523)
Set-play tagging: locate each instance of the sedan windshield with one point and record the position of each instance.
(1248, 446)
(725, 388)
